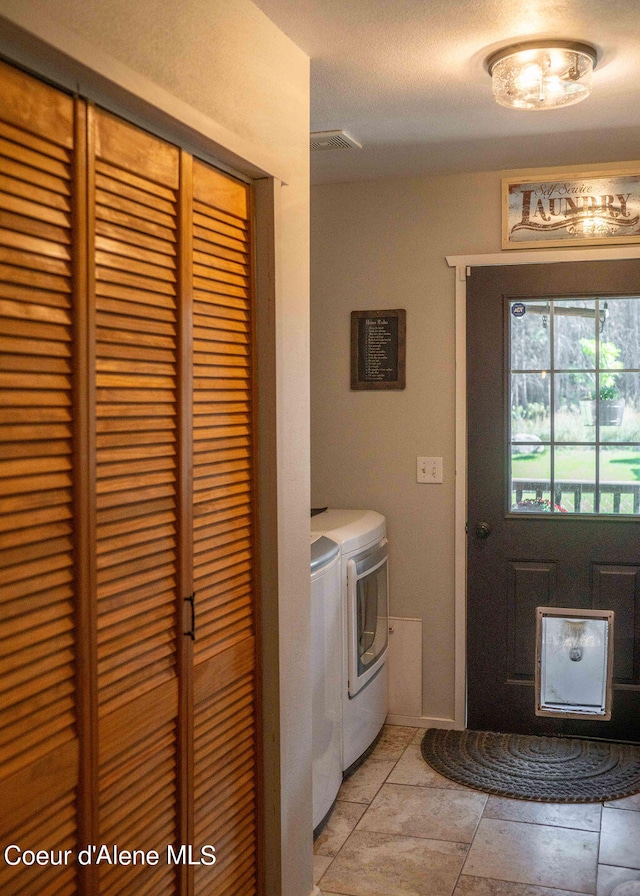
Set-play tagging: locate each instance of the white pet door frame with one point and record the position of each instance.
(574, 663)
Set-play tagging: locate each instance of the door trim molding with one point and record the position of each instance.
(462, 265)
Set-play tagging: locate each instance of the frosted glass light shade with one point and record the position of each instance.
(542, 76)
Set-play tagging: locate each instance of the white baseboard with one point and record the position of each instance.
(423, 722)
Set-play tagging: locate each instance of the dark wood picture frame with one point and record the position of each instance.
(378, 349)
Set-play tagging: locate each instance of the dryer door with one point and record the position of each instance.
(368, 599)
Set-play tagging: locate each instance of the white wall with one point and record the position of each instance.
(377, 245)
(217, 76)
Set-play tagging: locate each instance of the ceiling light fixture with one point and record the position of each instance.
(542, 74)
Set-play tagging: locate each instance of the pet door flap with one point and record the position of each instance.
(574, 663)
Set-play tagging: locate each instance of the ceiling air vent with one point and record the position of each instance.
(333, 140)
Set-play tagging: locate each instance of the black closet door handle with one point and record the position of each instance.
(192, 600)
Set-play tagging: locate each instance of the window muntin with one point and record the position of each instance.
(568, 452)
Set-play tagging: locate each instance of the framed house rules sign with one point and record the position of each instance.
(378, 346)
(571, 210)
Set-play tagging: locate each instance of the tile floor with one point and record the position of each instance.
(401, 829)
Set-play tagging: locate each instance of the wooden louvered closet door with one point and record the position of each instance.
(134, 201)
(126, 487)
(223, 535)
(39, 747)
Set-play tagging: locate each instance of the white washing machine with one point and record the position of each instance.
(361, 536)
(326, 666)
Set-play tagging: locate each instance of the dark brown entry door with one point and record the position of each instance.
(553, 479)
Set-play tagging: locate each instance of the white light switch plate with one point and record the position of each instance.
(429, 469)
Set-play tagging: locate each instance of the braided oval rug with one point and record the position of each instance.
(544, 769)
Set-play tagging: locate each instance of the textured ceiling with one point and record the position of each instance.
(407, 79)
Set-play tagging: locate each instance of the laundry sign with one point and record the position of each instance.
(571, 210)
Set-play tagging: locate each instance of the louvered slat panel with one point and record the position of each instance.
(136, 413)
(223, 538)
(137, 481)
(225, 785)
(38, 739)
(137, 778)
(222, 459)
(138, 790)
(53, 825)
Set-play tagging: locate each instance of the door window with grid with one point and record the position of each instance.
(574, 384)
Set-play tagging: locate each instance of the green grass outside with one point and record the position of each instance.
(616, 464)
(576, 463)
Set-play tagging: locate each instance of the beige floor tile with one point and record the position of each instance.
(320, 865)
(401, 829)
(342, 821)
(620, 839)
(629, 802)
(412, 769)
(583, 816)
(424, 812)
(363, 784)
(534, 854)
(327, 893)
(393, 742)
(481, 886)
(609, 876)
(374, 864)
